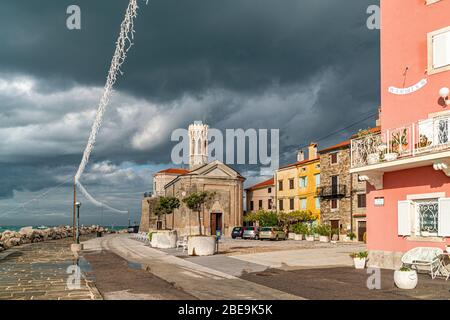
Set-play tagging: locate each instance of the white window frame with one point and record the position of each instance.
(306, 203)
(414, 219)
(304, 178)
(317, 177)
(431, 36)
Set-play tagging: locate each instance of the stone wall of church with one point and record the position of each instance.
(227, 202)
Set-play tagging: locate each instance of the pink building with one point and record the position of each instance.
(407, 165)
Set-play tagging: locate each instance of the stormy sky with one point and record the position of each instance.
(306, 67)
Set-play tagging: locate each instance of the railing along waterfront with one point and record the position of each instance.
(425, 136)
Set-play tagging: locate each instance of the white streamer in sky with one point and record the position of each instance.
(123, 45)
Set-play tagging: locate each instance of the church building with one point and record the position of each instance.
(225, 210)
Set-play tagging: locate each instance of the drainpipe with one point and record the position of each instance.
(351, 202)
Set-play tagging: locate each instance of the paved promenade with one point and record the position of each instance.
(199, 281)
(39, 272)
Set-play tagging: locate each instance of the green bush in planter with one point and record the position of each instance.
(324, 230)
(360, 255)
(300, 228)
(351, 236)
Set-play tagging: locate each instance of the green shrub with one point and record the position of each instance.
(300, 228)
(360, 255)
(323, 230)
(351, 235)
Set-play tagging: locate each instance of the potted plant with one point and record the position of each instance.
(405, 278)
(351, 236)
(309, 234)
(200, 245)
(359, 259)
(324, 232)
(299, 230)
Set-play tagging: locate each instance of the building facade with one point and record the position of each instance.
(261, 196)
(342, 195)
(297, 184)
(223, 212)
(407, 164)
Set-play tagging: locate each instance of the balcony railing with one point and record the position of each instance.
(425, 136)
(333, 191)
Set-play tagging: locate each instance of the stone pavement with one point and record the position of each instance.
(199, 281)
(38, 272)
(306, 258)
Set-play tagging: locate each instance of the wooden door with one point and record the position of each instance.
(361, 230)
(216, 222)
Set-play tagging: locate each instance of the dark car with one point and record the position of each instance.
(237, 232)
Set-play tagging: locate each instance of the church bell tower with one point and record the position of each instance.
(198, 145)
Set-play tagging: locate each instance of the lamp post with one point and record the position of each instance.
(78, 205)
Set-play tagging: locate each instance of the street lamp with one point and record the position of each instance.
(444, 93)
(78, 205)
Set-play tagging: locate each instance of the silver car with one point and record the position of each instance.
(272, 233)
(251, 233)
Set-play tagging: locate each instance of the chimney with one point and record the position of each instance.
(378, 121)
(312, 151)
(300, 156)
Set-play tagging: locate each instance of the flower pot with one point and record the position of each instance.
(298, 237)
(291, 236)
(373, 158)
(201, 245)
(324, 238)
(406, 280)
(391, 156)
(309, 238)
(346, 238)
(360, 263)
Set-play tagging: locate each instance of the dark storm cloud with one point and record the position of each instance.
(307, 67)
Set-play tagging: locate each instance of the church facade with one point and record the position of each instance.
(223, 212)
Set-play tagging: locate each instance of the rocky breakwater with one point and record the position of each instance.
(9, 239)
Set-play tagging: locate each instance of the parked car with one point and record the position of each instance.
(237, 232)
(251, 233)
(272, 233)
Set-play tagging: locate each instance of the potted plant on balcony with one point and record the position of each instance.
(359, 259)
(405, 278)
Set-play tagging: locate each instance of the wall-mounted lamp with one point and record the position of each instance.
(444, 93)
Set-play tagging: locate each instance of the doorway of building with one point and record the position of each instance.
(159, 225)
(216, 222)
(335, 225)
(361, 230)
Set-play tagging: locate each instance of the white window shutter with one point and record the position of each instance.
(444, 217)
(441, 50)
(405, 213)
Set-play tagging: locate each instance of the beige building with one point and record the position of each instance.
(224, 212)
(261, 196)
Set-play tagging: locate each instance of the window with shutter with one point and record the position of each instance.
(444, 217)
(405, 214)
(439, 51)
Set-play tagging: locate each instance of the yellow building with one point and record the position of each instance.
(296, 184)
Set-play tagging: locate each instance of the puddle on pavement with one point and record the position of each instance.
(135, 266)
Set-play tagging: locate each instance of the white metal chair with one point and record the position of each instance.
(424, 258)
(182, 242)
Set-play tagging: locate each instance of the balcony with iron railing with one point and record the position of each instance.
(332, 191)
(426, 142)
